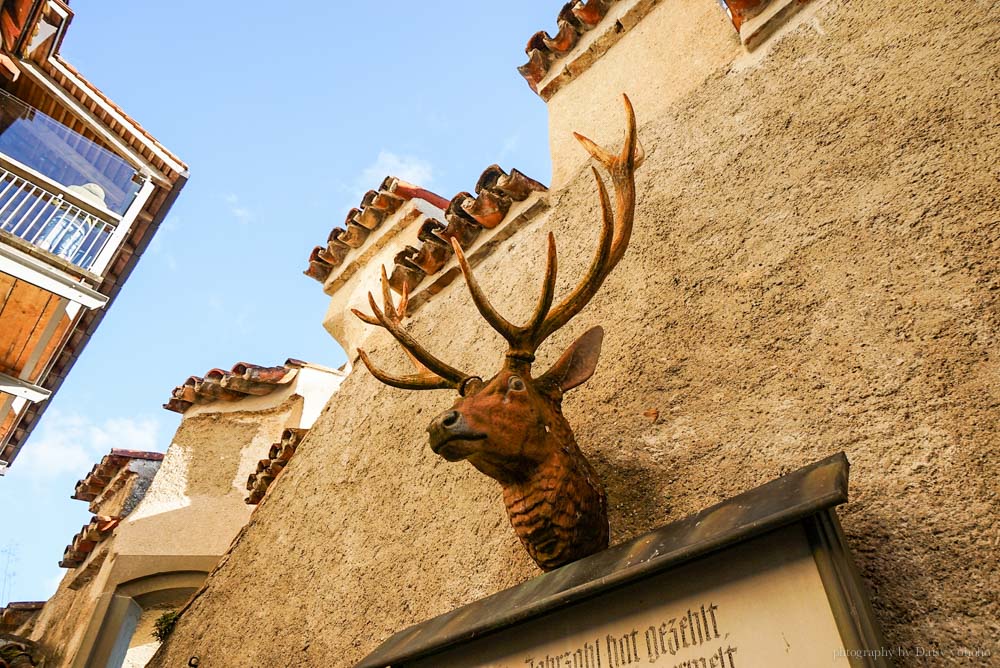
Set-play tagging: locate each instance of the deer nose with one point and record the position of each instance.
(447, 426)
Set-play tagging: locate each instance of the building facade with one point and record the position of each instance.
(161, 523)
(83, 188)
(812, 270)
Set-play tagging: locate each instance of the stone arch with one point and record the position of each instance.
(126, 605)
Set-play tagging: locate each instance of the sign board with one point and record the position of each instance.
(762, 579)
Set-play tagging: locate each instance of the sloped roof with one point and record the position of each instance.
(465, 216)
(16, 613)
(91, 486)
(268, 469)
(575, 19)
(84, 542)
(240, 382)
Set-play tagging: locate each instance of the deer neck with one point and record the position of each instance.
(559, 509)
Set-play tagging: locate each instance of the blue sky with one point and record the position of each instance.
(286, 117)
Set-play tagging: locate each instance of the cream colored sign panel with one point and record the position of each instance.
(761, 603)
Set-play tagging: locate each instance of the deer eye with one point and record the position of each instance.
(516, 384)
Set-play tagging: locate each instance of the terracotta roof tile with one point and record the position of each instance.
(575, 19)
(465, 216)
(579, 17)
(101, 474)
(268, 469)
(16, 613)
(742, 10)
(99, 528)
(238, 383)
(376, 206)
(25, 605)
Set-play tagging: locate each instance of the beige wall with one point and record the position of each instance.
(188, 517)
(813, 269)
(670, 52)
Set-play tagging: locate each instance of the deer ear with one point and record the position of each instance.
(577, 364)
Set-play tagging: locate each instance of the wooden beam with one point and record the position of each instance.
(23, 266)
(22, 388)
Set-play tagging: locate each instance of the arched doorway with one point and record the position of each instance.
(125, 638)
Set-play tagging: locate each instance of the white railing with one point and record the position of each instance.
(50, 222)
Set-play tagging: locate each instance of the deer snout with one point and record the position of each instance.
(450, 426)
(450, 419)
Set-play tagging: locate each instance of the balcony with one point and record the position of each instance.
(62, 196)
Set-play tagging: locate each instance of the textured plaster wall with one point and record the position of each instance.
(814, 268)
(658, 61)
(63, 621)
(187, 519)
(195, 505)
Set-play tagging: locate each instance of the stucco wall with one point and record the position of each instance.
(186, 520)
(63, 621)
(659, 61)
(813, 269)
(196, 505)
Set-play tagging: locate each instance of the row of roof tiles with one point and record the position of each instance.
(741, 11)
(102, 473)
(84, 542)
(465, 217)
(19, 652)
(241, 381)
(579, 17)
(81, 95)
(16, 613)
(277, 458)
(575, 19)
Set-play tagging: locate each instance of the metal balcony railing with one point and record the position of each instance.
(50, 222)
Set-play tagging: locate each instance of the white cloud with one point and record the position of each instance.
(406, 167)
(71, 444)
(239, 211)
(416, 171)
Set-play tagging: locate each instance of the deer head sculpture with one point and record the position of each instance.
(511, 426)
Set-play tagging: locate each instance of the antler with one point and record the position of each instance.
(616, 230)
(432, 373)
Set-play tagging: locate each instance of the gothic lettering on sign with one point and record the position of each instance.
(692, 639)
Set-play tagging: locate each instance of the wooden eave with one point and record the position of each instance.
(56, 88)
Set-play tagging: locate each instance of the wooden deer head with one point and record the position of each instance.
(511, 426)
